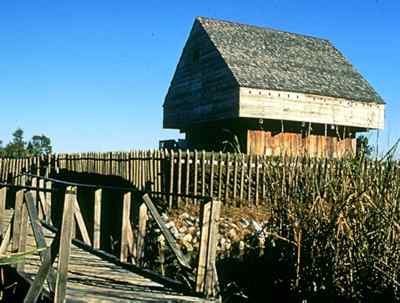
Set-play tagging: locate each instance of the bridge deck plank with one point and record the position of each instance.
(92, 279)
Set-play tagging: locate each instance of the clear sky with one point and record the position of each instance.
(92, 74)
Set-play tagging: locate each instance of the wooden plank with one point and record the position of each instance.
(250, 177)
(3, 198)
(227, 179)
(187, 178)
(165, 231)
(257, 179)
(206, 278)
(195, 176)
(152, 170)
(171, 178)
(141, 233)
(220, 165)
(212, 175)
(65, 245)
(264, 178)
(235, 176)
(204, 234)
(81, 223)
(311, 108)
(5, 240)
(211, 280)
(242, 178)
(203, 173)
(143, 170)
(23, 235)
(179, 181)
(37, 285)
(48, 185)
(97, 219)
(38, 233)
(160, 159)
(42, 201)
(126, 232)
(19, 201)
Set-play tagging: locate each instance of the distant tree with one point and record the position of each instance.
(363, 147)
(1, 149)
(17, 147)
(39, 145)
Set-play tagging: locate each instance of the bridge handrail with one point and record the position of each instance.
(115, 188)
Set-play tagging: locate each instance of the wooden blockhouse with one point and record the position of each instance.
(276, 92)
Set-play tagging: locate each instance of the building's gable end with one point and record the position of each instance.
(202, 88)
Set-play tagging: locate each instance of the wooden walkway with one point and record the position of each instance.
(69, 270)
(93, 279)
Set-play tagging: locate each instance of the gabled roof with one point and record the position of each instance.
(271, 59)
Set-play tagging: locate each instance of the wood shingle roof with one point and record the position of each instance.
(271, 59)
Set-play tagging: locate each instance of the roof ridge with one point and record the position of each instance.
(199, 18)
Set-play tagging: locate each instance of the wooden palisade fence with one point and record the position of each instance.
(238, 179)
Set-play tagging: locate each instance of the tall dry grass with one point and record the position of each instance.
(342, 220)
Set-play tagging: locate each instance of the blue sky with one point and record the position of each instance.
(92, 75)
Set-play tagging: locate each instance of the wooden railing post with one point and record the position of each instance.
(3, 198)
(97, 219)
(126, 232)
(141, 232)
(19, 200)
(48, 197)
(65, 244)
(207, 279)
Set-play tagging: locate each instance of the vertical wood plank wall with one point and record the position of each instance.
(261, 142)
(233, 178)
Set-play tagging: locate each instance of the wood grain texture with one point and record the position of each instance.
(65, 245)
(93, 279)
(292, 106)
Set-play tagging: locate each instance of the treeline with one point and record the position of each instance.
(18, 147)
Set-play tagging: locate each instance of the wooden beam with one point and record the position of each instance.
(97, 219)
(292, 106)
(165, 231)
(3, 198)
(126, 232)
(5, 240)
(19, 201)
(141, 232)
(38, 233)
(65, 244)
(37, 285)
(206, 278)
(81, 223)
(23, 235)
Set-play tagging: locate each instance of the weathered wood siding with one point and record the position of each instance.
(290, 106)
(261, 142)
(203, 88)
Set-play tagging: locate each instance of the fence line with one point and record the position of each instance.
(181, 176)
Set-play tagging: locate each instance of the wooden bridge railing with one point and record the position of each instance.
(32, 208)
